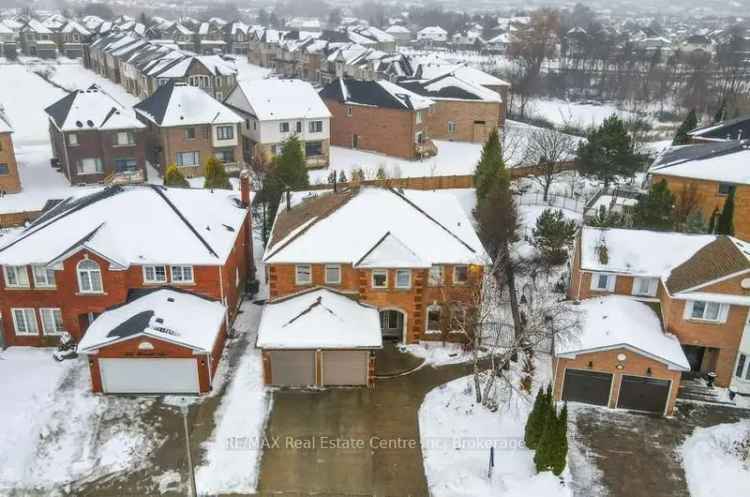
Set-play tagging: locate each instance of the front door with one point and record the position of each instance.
(694, 356)
(392, 324)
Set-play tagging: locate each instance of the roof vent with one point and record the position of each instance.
(79, 124)
(90, 123)
(159, 320)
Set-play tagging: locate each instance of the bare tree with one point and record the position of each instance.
(549, 149)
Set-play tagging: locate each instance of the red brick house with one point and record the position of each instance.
(699, 286)
(379, 116)
(96, 139)
(405, 253)
(92, 252)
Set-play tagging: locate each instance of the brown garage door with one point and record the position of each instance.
(292, 368)
(588, 387)
(643, 394)
(345, 367)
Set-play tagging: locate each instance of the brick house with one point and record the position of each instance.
(709, 172)
(697, 283)
(379, 116)
(186, 127)
(96, 139)
(10, 181)
(276, 109)
(404, 252)
(91, 253)
(462, 111)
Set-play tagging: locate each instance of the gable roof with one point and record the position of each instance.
(722, 257)
(346, 227)
(176, 104)
(463, 71)
(273, 99)
(450, 87)
(185, 226)
(374, 93)
(89, 109)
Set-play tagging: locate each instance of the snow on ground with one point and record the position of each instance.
(456, 434)
(579, 114)
(436, 354)
(714, 462)
(76, 77)
(55, 431)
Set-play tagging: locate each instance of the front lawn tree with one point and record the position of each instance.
(608, 153)
(174, 177)
(216, 175)
(490, 165)
(549, 149)
(656, 209)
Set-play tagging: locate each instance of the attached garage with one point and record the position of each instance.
(318, 338)
(145, 375)
(588, 387)
(643, 394)
(292, 368)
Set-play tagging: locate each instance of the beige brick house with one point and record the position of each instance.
(10, 182)
(186, 127)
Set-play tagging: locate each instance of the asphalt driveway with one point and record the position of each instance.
(635, 453)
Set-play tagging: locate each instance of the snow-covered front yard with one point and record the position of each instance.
(456, 434)
(55, 432)
(715, 460)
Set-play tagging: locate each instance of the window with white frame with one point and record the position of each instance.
(16, 276)
(403, 278)
(91, 165)
(224, 132)
(451, 127)
(460, 275)
(380, 278)
(89, 277)
(123, 138)
(44, 277)
(315, 126)
(24, 321)
(419, 117)
(190, 133)
(645, 286)
(433, 318)
(182, 274)
(284, 127)
(706, 311)
(72, 139)
(601, 282)
(435, 277)
(155, 274)
(186, 159)
(743, 367)
(333, 274)
(52, 322)
(303, 274)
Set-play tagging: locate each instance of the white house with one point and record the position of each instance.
(276, 109)
(432, 34)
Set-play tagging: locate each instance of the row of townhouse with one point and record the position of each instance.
(142, 66)
(48, 39)
(214, 36)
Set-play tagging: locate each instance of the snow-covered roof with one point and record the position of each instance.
(176, 104)
(450, 87)
(91, 109)
(463, 71)
(319, 318)
(722, 161)
(397, 29)
(133, 225)
(71, 26)
(380, 93)
(347, 227)
(167, 315)
(5, 125)
(273, 99)
(433, 30)
(633, 251)
(617, 321)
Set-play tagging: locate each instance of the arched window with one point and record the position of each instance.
(89, 277)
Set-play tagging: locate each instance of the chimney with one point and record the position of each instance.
(245, 187)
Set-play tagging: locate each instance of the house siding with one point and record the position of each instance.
(466, 114)
(11, 182)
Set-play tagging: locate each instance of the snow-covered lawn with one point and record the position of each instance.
(582, 115)
(436, 354)
(55, 431)
(713, 460)
(456, 434)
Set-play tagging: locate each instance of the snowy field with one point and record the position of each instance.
(713, 460)
(581, 115)
(456, 432)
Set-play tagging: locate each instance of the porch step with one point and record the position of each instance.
(697, 390)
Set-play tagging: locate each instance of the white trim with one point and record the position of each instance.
(325, 274)
(460, 283)
(653, 286)
(401, 287)
(17, 270)
(717, 280)
(442, 275)
(296, 275)
(155, 280)
(46, 270)
(670, 365)
(182, 271)
(26, 321)
(404, 321)
(372, 279)
(44, 327)
(89, 271)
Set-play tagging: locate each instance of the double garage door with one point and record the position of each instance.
(636, 393)
(149, 375)
(295, 368)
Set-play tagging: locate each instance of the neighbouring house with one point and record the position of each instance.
(379, 116)
(8, 42)
(699, 286)
(10, 181)
(462, 111)
(620, 358)
(729, 130)
(37, 40)
(96, 139)
(71, 38)
(407, 253)
(705, 174)
(400, 33)
(92, 256)
(163, 340)
(276, 109)
(432, 34)
(187, 127)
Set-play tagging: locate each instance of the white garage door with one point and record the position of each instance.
(345, 367)
(149, 375)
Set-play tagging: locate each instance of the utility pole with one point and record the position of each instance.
(191, 469)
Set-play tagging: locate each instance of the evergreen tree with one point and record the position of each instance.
(174, 177)
(332, 177)
(689, 124)
(721, 112)
(548, 434)
(725, 222)
(654, 211)
(381, 175)
(490, 166)
(288, 171)
(342, 177)
(216, 175)
(559, 452)
(695, 222)
(608, 152)
(712, 221)
(533, 422)
(606, 219)
(553, 234)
